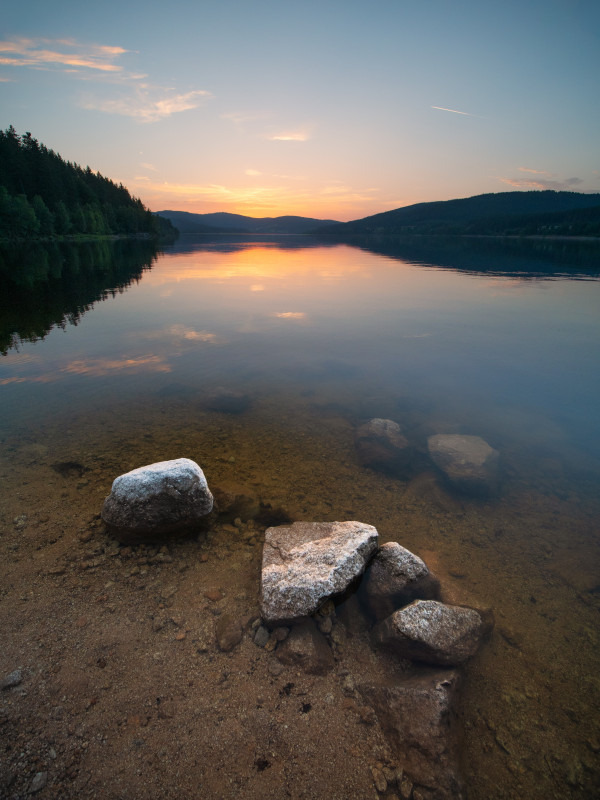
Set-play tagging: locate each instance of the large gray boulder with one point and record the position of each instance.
(418, 718)
(307, 562)
(381, 445)
(158, 499)
(432, 632)
(468, 462)
(394, 578)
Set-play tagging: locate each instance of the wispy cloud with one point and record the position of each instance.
(534, 171)
(253, 172)
(454, 111)
(148, 103)
(568, 184)
(59, 53)
(288, 136)
(100, 63)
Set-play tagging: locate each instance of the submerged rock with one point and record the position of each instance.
(307, 562)
(418, 719)
(234, 500)
(468, 462)
(381, 445)
(227, 401)
(307, 648)
(432, 632)
(394, 578)
(157, 499)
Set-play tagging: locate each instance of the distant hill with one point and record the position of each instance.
(517, 213)
(222, 222)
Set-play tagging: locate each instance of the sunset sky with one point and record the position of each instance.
(332, 109)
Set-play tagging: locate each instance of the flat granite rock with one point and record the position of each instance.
(468, 462)
(307, 562)
(432, 632)
(157, 499)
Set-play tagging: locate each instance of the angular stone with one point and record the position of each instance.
(381, 445)
(160, 498)
(432, 632)
(307, 649)
(468, 462)
(307, 562)
(11, 680)
(229, 632)
(394, 578)
(418, 718)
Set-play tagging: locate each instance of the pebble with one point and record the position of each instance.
(379, 780)
(281, 633)
(261, 637)
(13, 679)
(39, 781)
(213, 595)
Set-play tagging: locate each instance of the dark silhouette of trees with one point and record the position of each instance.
(42, 195)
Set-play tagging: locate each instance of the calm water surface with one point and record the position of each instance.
(496, 340)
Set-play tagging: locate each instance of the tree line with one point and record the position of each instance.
(44, 196)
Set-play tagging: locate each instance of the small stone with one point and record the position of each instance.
(281, 633)
(213, 595)
(379, 780)
(229, 632)
(325, 624)
(261, 637)
(406, 788)
(12, 679)
(39, 781)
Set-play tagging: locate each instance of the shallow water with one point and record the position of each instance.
(499, 340)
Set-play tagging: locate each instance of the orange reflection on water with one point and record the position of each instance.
(103, 366)
(257, 263)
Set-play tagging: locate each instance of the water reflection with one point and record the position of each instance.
(319, 337)
(52, 285)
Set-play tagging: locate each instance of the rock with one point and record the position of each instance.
(381, 445)
(432, 632)
(160, 498)
(394, 578)
(233, 500)
(261, 637)
(11, 680)
(379, 780)
(39, 781)
(418, 719)
(227, 401)
(307, 562)
(229, 632)
(468, 462)
(306, 648)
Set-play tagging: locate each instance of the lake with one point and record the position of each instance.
(115, 356)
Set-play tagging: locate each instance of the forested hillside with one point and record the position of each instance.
(504, 213)
(42, 195)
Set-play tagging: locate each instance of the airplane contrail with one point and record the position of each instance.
(454, 111)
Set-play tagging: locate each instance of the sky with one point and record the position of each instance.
(334, 109)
